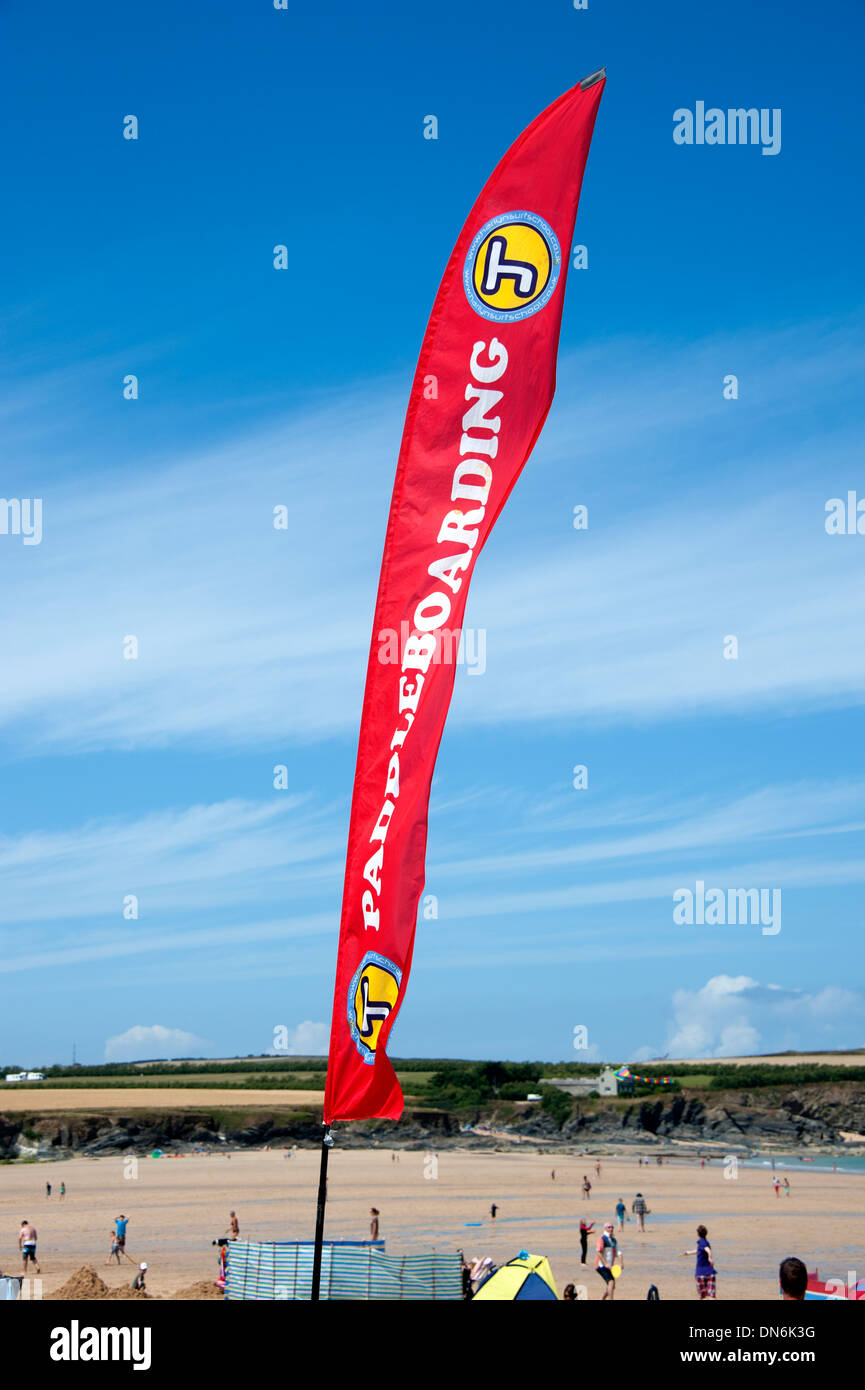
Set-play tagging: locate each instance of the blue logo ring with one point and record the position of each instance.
(524, 311)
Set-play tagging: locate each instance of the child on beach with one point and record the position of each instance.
(704, 1272)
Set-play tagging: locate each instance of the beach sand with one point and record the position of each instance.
(119, 1100)
(177, 1206)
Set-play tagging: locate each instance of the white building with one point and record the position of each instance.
(606, 1083)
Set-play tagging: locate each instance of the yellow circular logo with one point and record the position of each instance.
(512, 267)
(372, 997)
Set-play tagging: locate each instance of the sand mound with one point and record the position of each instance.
(205, 1288)
(84, 1283)
(86, 1286)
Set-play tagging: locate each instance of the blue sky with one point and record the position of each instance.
(603, 647)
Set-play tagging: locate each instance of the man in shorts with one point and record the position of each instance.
(27, 1245)
(607, 1256)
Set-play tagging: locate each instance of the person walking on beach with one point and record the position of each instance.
(27, 1245)
(120, 1224)
(373, 1225)
(585, 1230)
(233, 1231)
(597, 1167)
(776, 1183)
(48, 1189)
(638, 1207)
(620, 1213)
(793, 1278)
(62, 1191)
(607, 1256)
(587, 1188)
(493, 1210)
(787, 1186)
(704, 1272)
(114, 1249)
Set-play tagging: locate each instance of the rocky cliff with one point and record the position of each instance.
(55, 1134)
(809, 1115)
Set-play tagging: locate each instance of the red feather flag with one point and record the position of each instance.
(483, 386)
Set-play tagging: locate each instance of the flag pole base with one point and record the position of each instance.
(326, 1146)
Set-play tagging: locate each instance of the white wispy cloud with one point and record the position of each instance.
(251, 636)
(194, 857)
(793, 810)
(245, 886)
(219, 950)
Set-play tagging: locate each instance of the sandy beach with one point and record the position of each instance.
(117, 1100)
(177, 1206)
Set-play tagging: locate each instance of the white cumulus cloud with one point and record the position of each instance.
(143, 1042)
(734, 1015)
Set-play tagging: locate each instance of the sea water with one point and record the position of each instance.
(820, 1163)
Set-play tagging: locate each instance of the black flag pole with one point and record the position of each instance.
(326, 1146)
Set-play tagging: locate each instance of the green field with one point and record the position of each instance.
(450, 1085)
(411, 1081)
